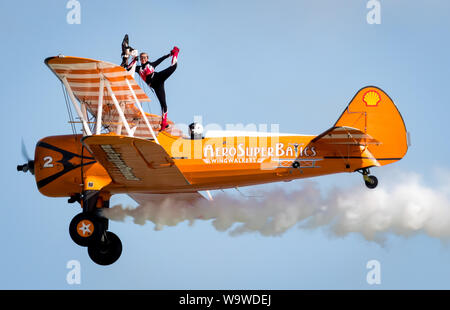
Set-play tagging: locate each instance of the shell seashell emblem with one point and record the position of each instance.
(371, 98)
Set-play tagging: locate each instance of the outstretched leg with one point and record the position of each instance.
(126, 51)
(157, 84)
(164, 74)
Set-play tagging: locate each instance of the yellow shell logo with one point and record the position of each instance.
(371, 98)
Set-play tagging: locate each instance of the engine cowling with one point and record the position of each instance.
(62, 166)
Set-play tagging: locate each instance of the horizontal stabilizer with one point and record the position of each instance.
(345, 135)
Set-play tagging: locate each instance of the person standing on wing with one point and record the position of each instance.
(153, 79)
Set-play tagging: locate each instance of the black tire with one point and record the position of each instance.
(93, 225)
(372, 183)
(107, 251)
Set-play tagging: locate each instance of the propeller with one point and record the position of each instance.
(29, 165)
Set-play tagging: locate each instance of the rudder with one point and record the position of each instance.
(374, 113)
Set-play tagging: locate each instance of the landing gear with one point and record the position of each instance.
(89, 229)
(107, 250)
(86, 228)
(371, 181)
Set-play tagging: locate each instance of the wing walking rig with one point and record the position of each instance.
(110, 94)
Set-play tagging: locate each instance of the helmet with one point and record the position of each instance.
(195, 131)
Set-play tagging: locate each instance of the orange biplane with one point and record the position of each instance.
(122, 150)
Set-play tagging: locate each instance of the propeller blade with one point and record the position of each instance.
(29, 165)
(24, 151)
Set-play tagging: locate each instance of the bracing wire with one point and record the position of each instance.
(145, 88)
(69, 110)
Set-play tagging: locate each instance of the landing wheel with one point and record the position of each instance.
(107, 250)
(371, 181)
(86, 228)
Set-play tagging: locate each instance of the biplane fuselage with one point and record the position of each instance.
(205, 164)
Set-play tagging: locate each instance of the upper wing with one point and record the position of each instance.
(83, 76)
(138, 164)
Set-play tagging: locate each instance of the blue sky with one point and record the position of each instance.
(293, 63)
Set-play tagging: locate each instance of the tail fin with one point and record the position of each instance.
(374, 113)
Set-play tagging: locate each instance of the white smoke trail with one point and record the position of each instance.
(406, 207)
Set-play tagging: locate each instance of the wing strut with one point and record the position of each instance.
(87, 131)
(118, 108)
(100, 106)
(138, 104)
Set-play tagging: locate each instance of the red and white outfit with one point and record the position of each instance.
(156, 79)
